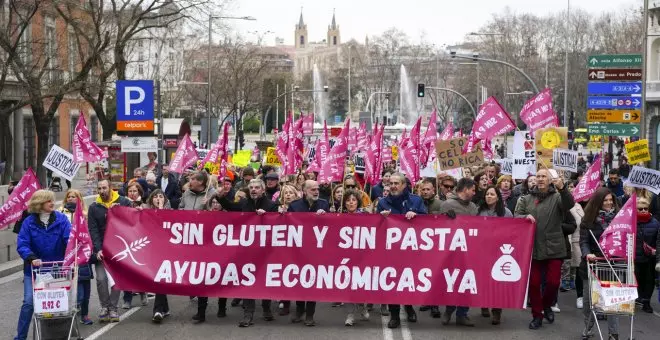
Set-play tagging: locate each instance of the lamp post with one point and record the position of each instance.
(208, 65)
(474, 112)
(506, 71)
(454, 55)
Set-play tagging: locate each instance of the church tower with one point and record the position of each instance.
(301, 33)
(334, 38)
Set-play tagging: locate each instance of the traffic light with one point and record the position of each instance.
(420, 90)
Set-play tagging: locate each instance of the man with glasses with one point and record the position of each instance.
(309, 203)
(351, 184)
(401, 202)
(447, 185)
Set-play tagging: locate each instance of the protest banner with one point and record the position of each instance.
(358, 160)
(566, 160)
(506, 166)
(547, 140)
(638, 152)
(644, 178)
(12, 210)
(450, 154)
(537, 112)
(271, 157)
(331, 257)
(590, 182)
(395, 153)
(524, 155)
(61, 162)
(242, 158)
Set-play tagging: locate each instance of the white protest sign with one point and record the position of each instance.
(566, 160)
(612, 296)
(51, 301)
(524, 155)
(506, 166)
(644, 178)
(61, 162)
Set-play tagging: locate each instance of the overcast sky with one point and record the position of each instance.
(442, 21)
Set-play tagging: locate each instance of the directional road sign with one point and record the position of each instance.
(614, 103)
(601, 129)
(617, 88)
(614, 116)
(609, 74)
(615, 60)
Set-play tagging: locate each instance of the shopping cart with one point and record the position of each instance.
(54, 288)
(613, 287)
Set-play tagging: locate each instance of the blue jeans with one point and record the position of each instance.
(84, 290)
(25, 316)
(460, 310)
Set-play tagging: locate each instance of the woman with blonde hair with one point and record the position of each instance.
(43, 238)
(288, 194)
(68, 207)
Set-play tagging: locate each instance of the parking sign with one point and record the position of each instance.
(135, 105)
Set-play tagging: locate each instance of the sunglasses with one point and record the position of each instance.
(450, 187)
(350, 186)
(642, 209)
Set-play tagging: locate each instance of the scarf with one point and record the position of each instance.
(505, 194)
(644, 216)
(607, 216)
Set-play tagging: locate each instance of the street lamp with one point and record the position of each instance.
(208, 66)
(477, 58)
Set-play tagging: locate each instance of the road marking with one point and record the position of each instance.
(11, 277)
(108, 327)
(387, 332)
(405, 330)
(657, 314)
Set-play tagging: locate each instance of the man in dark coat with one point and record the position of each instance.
(170, 186)
(259, 203)
(309, 203)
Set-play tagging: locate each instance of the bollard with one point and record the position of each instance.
(8, 253)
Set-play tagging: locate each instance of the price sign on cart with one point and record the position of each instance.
(51, 301)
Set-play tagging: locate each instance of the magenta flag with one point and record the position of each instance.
(430, 136)
(322, 149)
(492, 120)
(314, 163)
(282, 146)
(363, 141)
(589, 183)
(308, 124)
(448, 132)
(374, 157)
(185, 156)
(353, 140)
(332, 170)
(218, 150)
(84, 150)
(538, 113)
(409, 154)
(12, 210)
(79, 246)
(223, 152)
(296, 148)
(614, 240)
(459, 134)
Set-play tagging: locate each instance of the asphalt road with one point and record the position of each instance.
(136, 323)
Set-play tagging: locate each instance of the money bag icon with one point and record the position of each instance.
(506, 268)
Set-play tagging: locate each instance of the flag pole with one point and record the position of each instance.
(343, 187)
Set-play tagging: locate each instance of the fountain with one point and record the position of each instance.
(320, 96)
(407, 105)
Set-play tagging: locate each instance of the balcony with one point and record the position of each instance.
(653, 91)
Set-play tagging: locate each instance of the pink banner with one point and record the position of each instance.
(83, 149)
(79, 248)
(282, 146)
(332, 169)
(185, 156)
(538, 113)
(430, 136)
(12, 210)
(429, 260)
(448, 132)
(409, 156)
(492, 120)
(589, 183)
(614, 240)
(308, 124)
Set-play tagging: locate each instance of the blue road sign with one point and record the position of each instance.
(614, 103)
(617, 88)
(135, 105)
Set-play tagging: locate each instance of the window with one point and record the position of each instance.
(171, 56)
(25, 50)
(172, 43)
(140, 69)
(170, 69)
(141, 56)
(29, 142)
(51, 43)
(302, 40)
(334, 41)
(140, 43)
(73, 52)
(54, 131)
(94, 131)
(72, 129)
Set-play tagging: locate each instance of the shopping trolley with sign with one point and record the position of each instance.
(613, 287)
(54, 288)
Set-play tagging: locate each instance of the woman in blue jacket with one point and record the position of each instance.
(43, 238)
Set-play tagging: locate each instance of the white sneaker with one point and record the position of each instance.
(350, 320)
(555, 308)
(365, 314)
(579, 303)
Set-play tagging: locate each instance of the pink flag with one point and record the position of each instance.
(589, 183)
(80, 243)
(282, 147)
(12, 210)
(374, 156)
(459, 134)
(223, 152)
(185, 156)
(386, 155)
(487, 148)
(614, 240)
(448, 132)
(538, 113)
(362, 140)
(308, 124)
(409, 154)
(322, 149)
(296, 147)
(332, 170)
(431, 135)
(83, 149)
(353, 140)
(492, 120)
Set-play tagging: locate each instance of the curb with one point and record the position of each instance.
(11, 267)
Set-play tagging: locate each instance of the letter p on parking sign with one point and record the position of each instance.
(135, 106)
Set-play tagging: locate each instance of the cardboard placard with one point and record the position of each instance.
(547, 140)
(271, 157)
(638, 152)
(450, 154)
(61, 162)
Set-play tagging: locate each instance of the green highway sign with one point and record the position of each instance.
(614, 60)
(600, 129)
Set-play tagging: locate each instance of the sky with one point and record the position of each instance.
(441, 21)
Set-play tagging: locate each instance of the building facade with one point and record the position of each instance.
(325, 54)
(651, 116)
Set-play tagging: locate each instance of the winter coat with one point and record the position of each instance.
(301, 205)
(402, 204)
(589, 243)
(616, 189)
(377, 191)
(191, 200)
(576, 253)
(433, 206)
(172, 191)
(459, 206)
(568, 227)
(249, 205)
(646, 232)
(97, 217)
(85, 272)
(492, 213)
(548, 210)
(44, 242)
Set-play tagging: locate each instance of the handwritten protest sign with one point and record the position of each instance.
(450, 154)
(638, 152)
